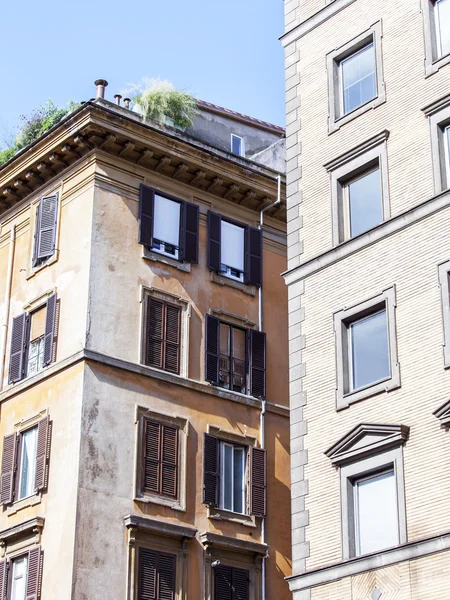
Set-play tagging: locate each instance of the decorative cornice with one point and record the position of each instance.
(158, 527)
(33, 526)
(223, 542)
(436, 106)
(443, 414)
(365, 146)
(366, 439)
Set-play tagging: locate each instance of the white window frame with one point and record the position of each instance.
(438, 114)
(242, 153)
(346, 197)
(437, 21)
(224, 444)
(12, 592)
(341, 79)
(434, 60)
(22, 433)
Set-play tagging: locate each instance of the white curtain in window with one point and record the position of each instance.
(376, 513)
(232, 246)
(28, 463)
(166, 226)
(19, 577)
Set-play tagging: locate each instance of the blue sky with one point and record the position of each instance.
(224, 52)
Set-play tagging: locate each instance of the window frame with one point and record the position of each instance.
(231, 358)
(141, 495)
(337, 117)
(342, 319)
(18, 474)
(433, 60)
(438, 114)
(444, 284)
(242, 147)
(225, 273)
(32, 268)
(162, 252)
(234, 446)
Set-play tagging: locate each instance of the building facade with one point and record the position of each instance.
(368, 176)
(144, 388)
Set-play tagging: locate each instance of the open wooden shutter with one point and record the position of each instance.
(16, 358)
(223, 583)
(146, 211)
(240, 584)
(253, 252)
(3, 578)
(147, 584)
(152, 445)
(257, 351)
(166, 576)
(190, 232)
(258, 481)
(214, 230)
(155, 333)
(34, 573)
(212, 349)
(210, 470)
(169, 461)
(42, 447)
(8, 468)
(172, 338)
(46, 228)
(49, 329)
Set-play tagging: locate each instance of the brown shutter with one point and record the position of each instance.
(257, 352)
(42, 447)
(253, 251)
(155, 333)
(146, 210)
(210, 470)
(3, 578)
(240, 584)
(190, 233)
(172, 338)
(169, 461)
(258, 481)
(49, 329)
(212, 349)
(19, 326)
(46, 228)
(34, 573)
(223, 583)
(214, 230)
(147, 574)
(8, 468)
(166, 577)
(152, 445)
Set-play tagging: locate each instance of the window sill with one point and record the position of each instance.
(337, 124)
(31, 272)
(24, 503)
(434, 66)
(156, 257)
(227, 515)
(386, 385)
(154, 499)
(221, 280)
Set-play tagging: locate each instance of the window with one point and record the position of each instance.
(237, 145)
(370, 461)
(227, 467)
(25, 462)
(45, 229)
(156, 575)
(231, 583)
(437, 34)
(446, 140)
(366, 349)
(163, 335)
(438, 114)
(359, 188)
(355, 77)
(234, 250)
(442, 19)
(235, 358)
(168, 226)
(32, 341)
(20, 576)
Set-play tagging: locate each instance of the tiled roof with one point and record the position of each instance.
(238, 115)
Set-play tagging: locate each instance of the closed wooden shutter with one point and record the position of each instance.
(258, 481)
(169, 461)
(212, 349)
(156, 575)
(34, 573)
(155, 332)
(223, 583)
(3, 578)
(172, 338)
(163, 335)
(8, 468)
(16, 359)
(190, 232)
(253, 253)
(146, 211)
(210, 470)
(240, 584)
(160, 469)
(49, 329)
(257, 352)
(46, 228)
(214, 230)
(152, 452)
(42, 447)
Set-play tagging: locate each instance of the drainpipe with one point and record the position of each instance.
(263, 402)
(12, 244)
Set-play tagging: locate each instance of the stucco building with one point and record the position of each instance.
(368, 175)
(144, 388)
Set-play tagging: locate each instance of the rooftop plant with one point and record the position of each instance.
(36, 124)
(158, 101)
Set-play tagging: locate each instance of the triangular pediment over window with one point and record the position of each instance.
(365, 440)
(443, 414)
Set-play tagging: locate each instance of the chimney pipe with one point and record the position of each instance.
(118, 98)
(100, 85)
(126, 102)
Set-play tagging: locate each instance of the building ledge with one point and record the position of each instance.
(232, 544)
(33, 526)
(158, 527)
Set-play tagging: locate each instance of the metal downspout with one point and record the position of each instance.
(12, 244)
(263, 402)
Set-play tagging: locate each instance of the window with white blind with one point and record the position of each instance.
(166, 226)
(357, 78)
(27, 462)
(232, 250)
